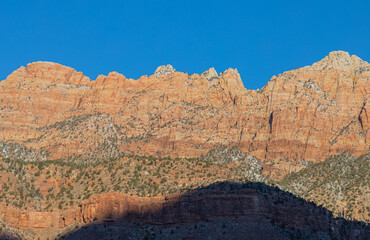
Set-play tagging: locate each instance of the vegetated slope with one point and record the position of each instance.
(250, 167)
(52, 191)
(49, 111)
(341, 184)
(135, 175)
(45, 188)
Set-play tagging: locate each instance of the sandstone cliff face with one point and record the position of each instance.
(220, 200)
(319, 106)
(49, 111)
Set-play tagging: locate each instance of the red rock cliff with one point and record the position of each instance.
(49, 111)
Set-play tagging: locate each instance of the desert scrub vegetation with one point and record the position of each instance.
(48, 185)
(341, 184)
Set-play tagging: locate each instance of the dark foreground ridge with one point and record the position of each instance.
(223, 210)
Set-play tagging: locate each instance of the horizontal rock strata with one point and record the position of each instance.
(49, 111)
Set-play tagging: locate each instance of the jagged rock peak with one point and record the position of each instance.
(338, 60)
(233, 70)
(210, 74)
(164, 70)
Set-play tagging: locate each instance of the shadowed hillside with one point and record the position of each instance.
(223, 210)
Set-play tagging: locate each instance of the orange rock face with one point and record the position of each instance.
(49, 111)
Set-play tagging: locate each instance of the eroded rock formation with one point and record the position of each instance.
(49, 111)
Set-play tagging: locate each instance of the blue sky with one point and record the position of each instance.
(260, 38)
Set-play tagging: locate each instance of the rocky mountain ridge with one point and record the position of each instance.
(49, 111)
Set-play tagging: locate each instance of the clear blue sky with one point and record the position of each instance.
(260, 38)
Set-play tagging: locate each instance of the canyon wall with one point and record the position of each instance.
(50, 111)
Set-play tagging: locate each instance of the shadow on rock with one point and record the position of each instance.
(223, 210)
